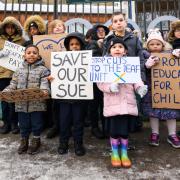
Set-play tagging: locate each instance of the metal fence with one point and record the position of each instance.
(140, 11)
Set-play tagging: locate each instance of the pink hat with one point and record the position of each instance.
(155, 34)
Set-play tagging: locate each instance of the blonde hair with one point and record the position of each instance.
(53, 23)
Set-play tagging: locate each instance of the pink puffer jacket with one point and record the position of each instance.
(121, 103)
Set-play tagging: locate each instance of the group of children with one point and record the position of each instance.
(120, 108)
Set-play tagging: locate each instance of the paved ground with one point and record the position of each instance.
(162, 162)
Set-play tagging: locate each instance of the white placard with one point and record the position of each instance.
(115, 69)
(70, 70)
(15, 58)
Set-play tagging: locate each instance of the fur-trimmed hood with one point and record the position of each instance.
(174, 25)
(38, 20)
(11, 20)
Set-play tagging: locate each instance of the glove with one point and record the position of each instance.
(176, 52)
(142, 90)
(151, 61)
(114, 88)
(3, 53)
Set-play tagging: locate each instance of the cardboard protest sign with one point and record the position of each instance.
(166, 82)
(49, 43)
(70, 70)
(23, 95)
(115, 69)
(15, 58)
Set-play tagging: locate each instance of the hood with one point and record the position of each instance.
(77, 35)
(11, 20)
(95, 27)
(38, 20)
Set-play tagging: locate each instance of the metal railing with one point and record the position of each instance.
(140, 11)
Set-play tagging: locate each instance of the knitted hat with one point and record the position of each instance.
(155, 34)
(114, 41)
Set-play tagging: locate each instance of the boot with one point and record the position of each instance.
(14, 129)
(5, 129)
(79, 148)
(23, 145)
(115, 159)
(124, 156)
(97, 133)
(52, 133)
(63, 148)
(34, 146)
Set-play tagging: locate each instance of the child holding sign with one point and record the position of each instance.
(11, 30)
(156, 44)
(33, 74)
(71, 112)
(119, 107)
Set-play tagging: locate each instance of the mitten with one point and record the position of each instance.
(114, 88)
(3, 53)
(151, 61)
(142, 90)
(176, 52)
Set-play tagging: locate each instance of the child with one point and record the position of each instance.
(119, 24)
(156, 44)
(11, 30)
(71, 112)
(33, 74)
(34, 25)
(95, 108)
(119, 106)
(174, 37)
(55, 27)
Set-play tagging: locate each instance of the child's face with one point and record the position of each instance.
(33, 31)
(31, 55)
(58, 29)
(119, 23)
(101, 33)
(9, 29)
(155, 46)
(177, 33)
(117, 50)
(74, 45)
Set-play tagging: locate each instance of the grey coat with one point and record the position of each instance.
(30, 76)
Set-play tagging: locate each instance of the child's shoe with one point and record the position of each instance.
(126, 163)
(63, 148)
(79, 148)
(23, 146)
(115, 159)
(34, 146)
(174, 141)
(154, 139)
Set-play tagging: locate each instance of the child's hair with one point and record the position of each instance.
(52, 25)
(89, 33)
(174, 25)
(118, 13)
(31, 45)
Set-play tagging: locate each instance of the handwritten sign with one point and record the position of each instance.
(115, 69)
(70, 70)
(166, 82)
(14, 59)
(23, 95)
(48, 44)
